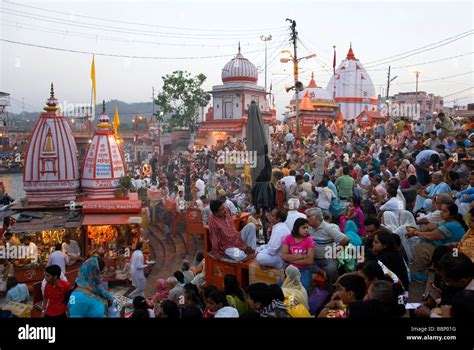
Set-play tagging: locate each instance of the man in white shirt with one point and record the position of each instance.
(270, 254)
(423, 161)
(293, 213)
(289, 139)
(229, 204)
(289, 180)
(394, 204)
(32, 250)
(137, 267)
(201, 186)
(71, 249)
(58, 258)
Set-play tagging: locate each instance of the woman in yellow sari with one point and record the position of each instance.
(293, 289)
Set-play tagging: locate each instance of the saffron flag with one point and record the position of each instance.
(94, 92)
(247, 176)
(116, 122)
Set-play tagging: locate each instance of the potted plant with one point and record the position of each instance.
(126, 183)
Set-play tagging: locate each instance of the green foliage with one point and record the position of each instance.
(181, 97)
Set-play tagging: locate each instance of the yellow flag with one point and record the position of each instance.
(116, 122)
(248, 176)
(93, 81)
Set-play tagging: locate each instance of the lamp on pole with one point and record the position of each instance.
(265, 39)
(160, 115)
(298, 86)
(417, 74)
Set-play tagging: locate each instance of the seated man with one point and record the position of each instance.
(71, 249)
(424, 200)
(464, 198)
(225, 239)
(270, 254)
(17, 292)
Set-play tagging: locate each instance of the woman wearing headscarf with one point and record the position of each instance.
(161, 290)
(407, 220)
(408, 167)
(292, 287)
(349, 257)
(390, 221)
(89, 298)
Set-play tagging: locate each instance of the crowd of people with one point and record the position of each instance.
(393, 196)
(392, 210)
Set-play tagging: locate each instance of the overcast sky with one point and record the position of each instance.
(213, 28)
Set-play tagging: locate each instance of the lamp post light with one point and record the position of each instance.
(159, 136)
(265, 39)
(298, 86)
(417, 74)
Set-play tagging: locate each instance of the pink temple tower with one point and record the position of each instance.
(51, 171)
(104, 163)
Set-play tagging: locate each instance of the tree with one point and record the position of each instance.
(181, 96)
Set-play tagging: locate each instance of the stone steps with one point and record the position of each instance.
(170, 253)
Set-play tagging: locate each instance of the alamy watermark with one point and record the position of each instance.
(77, 110)
(395, 109)
(37, 333)
(237, 158)
(348, 252)
(15, 252)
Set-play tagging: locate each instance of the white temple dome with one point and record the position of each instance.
(239, 69)
(355, 91)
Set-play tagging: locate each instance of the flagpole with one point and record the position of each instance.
(92, 112)
(334, 73)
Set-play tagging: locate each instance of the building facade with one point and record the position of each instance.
(407, 101)
(230, 102)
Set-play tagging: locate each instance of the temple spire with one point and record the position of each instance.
(239, 46)
(52, 102)
(350, 54)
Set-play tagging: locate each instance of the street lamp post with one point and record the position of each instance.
(298, 86)
(159, 136)
(134, 121)
(265, 39)
(417, 74)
